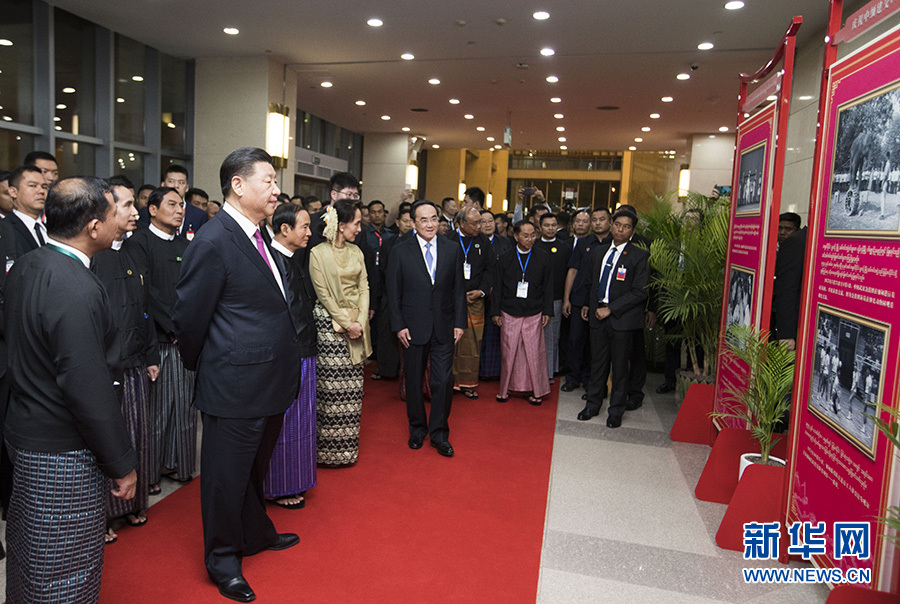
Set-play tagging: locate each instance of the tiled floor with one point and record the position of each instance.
(623, 524)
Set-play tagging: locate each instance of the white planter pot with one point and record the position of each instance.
(745, 461)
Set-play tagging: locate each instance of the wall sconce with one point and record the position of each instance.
(505, 205)
(490, 200)
(278, 130)
(684, 182)
(412, 176)
(462, 190)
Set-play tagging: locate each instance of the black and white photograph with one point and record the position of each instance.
(750, 182)
(847, 377)
(865, 172)
(740, 297)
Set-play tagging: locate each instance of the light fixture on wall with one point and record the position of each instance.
(490, 200)
(412, 175)
(278, 129)
(462, 191)
(684, 181)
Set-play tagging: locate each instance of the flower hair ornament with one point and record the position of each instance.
(331, 224)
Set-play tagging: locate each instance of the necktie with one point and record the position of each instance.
(605, 275)
(40, 236)
(429, 260)
(260, 247)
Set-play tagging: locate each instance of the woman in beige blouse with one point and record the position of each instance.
(338, 273)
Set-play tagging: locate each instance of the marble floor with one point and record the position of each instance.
(623, 524)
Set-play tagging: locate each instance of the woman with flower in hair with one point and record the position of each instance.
(338, 272)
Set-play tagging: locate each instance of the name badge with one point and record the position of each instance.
(9, 264)
(620, 273)
(522, 289)
(467, 271)
(189, 235)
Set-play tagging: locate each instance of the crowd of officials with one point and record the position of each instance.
(127, 311)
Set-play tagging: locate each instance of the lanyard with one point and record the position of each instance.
(527, 260)
(377, 234)
(65, 252)
(465, 249)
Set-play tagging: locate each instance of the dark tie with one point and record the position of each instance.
(40, 236)
(261, 247)
(605, 275)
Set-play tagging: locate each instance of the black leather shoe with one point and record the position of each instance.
(444, 448)
(569, 387)
(237, 589)
(613, 422)
(415, 442)
(665, 388)
(632, 405)
(588, 412)
(284, 541)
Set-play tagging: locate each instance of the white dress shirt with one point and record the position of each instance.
(616, 251)
(277, 246)
(249, 230)
(161, 233)
(433, 243)
(78, 253)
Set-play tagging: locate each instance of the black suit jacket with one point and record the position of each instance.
(24, 237)
(788, 282)
(8, 253)
(301, 299)
(234, 326)
(417, 304)
(627, 296)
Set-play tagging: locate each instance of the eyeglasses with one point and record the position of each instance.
(348, 194)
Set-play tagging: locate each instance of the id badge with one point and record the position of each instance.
(620, 273)
(522, 289)
(467, 271)
(9, 264)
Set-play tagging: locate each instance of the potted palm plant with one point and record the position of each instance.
(763, 400)
(688, 261)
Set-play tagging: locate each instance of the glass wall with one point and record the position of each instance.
(131, 64)
(174, 104)
(76, 79)
(569, 194)
(17, 61)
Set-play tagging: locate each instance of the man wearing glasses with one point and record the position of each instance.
(46, 163)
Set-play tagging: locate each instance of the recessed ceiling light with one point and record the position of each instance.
(374, 22)
(454, 101)
(541, 15)
(490, 139)
(137, 78)
(435, 146)
(56, 118)
(61, 106)
(560, 128)
(59, 127)
(563, 148)
(667, 99)
(639, 140)
(734, 5)
(171, 125)
(498, 146)
(645, 129)
(632, 148)
(120, 100)
(552, 79)
(723, 129)
(327, 84)
(480, 128)
(705, 46)
(68, 90)
(6, 118)
(231, 31)
(558, 116)
(562, 139)
(360, 102)
(5, 42)
(405, 128)
(407, 56)
(683, 76)
(469, 116)
(712, 136)
(385, 117)
(805, 97)
(434, 81)
(548, 52)
(556, 99)
(654, 116)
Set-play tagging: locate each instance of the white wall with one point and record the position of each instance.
(384, 168)
(711, 160)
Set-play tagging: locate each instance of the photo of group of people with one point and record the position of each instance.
(847, 374)
(750, 180)
(865, 175)
(740, 297)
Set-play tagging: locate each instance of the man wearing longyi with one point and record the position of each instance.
(235, 329)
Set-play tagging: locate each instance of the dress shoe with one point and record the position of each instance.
(665, 388)
(632, 405)
(588, 412)
(415, 442)
(284, 541)
(444, 448)
(237, 589)
(613, 422)
(569, 387)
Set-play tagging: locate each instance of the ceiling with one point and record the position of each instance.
(613, 53)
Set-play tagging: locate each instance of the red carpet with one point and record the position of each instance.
(399, 526)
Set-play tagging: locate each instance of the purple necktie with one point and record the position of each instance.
(260, 246)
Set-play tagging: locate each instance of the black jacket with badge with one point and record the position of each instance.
(627, 286)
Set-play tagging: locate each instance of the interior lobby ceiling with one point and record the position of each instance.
(487, 55)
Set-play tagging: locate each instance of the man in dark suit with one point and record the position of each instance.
(786, 292)
(64, 425)
(28, 190)
(388, 347)
(234, 328)
(427, 299)
(176, 177)
(616, 293)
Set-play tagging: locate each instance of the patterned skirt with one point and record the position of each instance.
(135, 411)
(173, 437)
(292, 469)
(339, 395)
